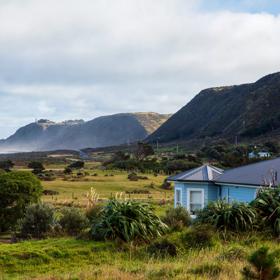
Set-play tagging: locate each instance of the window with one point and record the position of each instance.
(178, 197)
(196, 201)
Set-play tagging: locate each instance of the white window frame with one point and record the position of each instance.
(188, 198)
(181, 196)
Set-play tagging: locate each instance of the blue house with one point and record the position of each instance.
(261, 154)
(195, 188)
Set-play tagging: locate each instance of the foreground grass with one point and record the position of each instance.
(67, 258)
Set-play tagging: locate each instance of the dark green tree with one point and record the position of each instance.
(17, 191)
(6, 165)
(77, 165)
(37, 167)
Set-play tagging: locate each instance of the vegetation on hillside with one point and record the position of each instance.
(226, 112)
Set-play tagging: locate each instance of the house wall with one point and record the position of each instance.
(213, 192)
(210, 191)
(238, 193)
(180, 186)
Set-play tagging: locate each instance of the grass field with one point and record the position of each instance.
(67, 258)
(107, 184)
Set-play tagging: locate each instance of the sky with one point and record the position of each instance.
(79, 59)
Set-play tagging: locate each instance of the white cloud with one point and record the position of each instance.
(80, 59)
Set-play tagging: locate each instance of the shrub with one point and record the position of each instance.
(267, 205)
(198, 237)
(6, 165)
(18, 190)
(163, 248)
(67, 170)
(177, 218)
(77, 165)
(128, 221)
(50, 192)
(38, 220)
(73, 220)
(225, 216)
(262, 265)
(45, 176)
(132, 177)
(94, 213)
(166, 185)
(36, 166)
(180, 165)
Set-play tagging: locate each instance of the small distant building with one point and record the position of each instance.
(195, 188)
(261, 154)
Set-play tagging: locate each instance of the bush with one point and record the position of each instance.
(18, 190)
(50, 192)
(132, 177)
(225, 216)
(262, 265)
(177, 218)
(180, 165)
(38, 220)
(94, 213)
(73, 220)
(128, 221)
(68, 170)
(46, 176)
(6, 165)
(77, 165)
(163, 248)
(267, 205)
(166, 185)
(36, 166)
(198, 237)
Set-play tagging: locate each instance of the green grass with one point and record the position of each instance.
(67, 258)
(106, 186)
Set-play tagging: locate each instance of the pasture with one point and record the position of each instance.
(71, 259)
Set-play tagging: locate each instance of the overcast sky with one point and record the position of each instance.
(72, 59)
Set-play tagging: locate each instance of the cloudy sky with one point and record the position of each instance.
(69, 59)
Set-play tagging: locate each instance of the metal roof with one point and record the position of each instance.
(203, 173)
(263, 173)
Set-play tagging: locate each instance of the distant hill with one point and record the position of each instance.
(248, 110)
(100, 132)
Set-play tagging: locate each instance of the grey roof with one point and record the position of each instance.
(262, 173)
(203, 173)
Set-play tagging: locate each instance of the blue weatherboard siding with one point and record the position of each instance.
(213, 192)
(210, 191)
(238, 193)
(181, 186)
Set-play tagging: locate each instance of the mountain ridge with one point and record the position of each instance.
(77, 134)
(246, 110)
